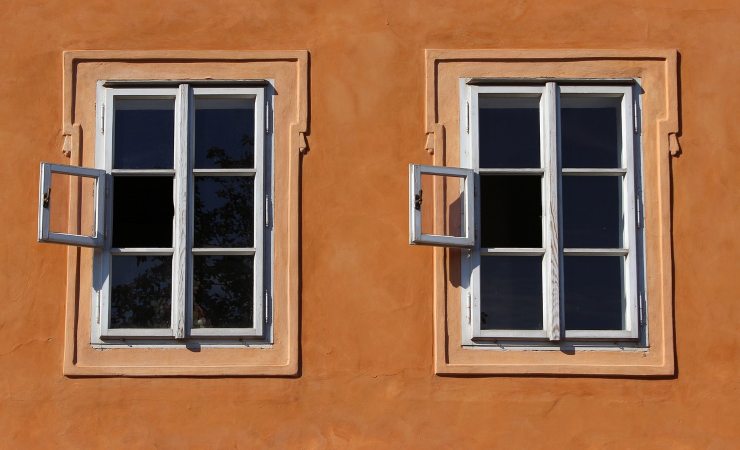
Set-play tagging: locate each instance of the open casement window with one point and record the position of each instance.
(461, 232)
(185, 234)
(46, 233)
(557, 242)
(557, 254)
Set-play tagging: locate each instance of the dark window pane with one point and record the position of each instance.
(511, 211)
(511, 292)
(594, 295)
(224, 132)
(223, 291)
(509, 132)
(592, 212)
(141, 291)
(590, 132)
(142, 211)
(224, 212)
(144, 133)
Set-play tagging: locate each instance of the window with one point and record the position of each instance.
(556, 254)
(569, 269)
(184, 249)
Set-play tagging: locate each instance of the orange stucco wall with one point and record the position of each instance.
(366, 369)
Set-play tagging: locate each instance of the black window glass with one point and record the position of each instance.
(224, 132)
(511, 292)
(140, 291)
(223, 291)
(590, 132)
(224, 212)
(144, 133)
(592, 211)
(594, 294)
(142, 211)
(511, 211)
(509, 132)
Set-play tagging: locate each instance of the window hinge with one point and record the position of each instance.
(102, 118)
(467, 117)
(267, 307)
(634, 117)
(99, 306)
(641, 309)
(268, 210)
(638, 209)
(470, 308)
(267, 117)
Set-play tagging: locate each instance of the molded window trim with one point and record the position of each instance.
(657, 127)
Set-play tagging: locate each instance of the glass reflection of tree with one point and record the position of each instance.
(224, 214)
(144, 302)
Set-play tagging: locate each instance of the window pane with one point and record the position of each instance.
(223, 291)
(224, 132)
(140, 291)
(594, 295)
(592, 212)
(509, 131)
(591, 136)
(224, 212)
(511, 211)
(511, 292)
(144, 133)
(142, 211)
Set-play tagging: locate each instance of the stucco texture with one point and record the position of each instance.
(366, 375)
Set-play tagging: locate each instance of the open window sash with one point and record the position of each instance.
(45, 191)
(416, 198)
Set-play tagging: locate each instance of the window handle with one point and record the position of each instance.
(417, 200)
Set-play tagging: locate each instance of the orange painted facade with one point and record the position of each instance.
(366, 329)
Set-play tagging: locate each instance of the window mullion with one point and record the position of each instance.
(550, 200)
(180, 235)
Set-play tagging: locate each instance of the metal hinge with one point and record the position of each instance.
(634, 117)
(268, 210)
(470, 308)
(268, 316)
(467, 117)
(641, 309)
(267, 117)
(102, 118)
(638, 209)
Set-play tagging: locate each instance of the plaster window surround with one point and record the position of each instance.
(569, 267)
(189, 230)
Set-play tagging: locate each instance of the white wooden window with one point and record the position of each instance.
(465, 237)
(184, 250)
(558, 243)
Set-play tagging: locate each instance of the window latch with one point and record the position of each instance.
(418, 200)
(47, 198)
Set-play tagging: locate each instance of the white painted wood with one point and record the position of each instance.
(45, 234)
(416, 197)
(260, 130)
(224, 251)
(594, 172)
(595, 251)
(490, 171)
(180, 193)
(225, 172)
(550, 225)
(512, 251)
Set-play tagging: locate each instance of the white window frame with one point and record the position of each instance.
(416, 198)
(181, 331)
(44, 232)
(553, 334)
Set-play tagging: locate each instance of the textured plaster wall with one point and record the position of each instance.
(366, 341)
